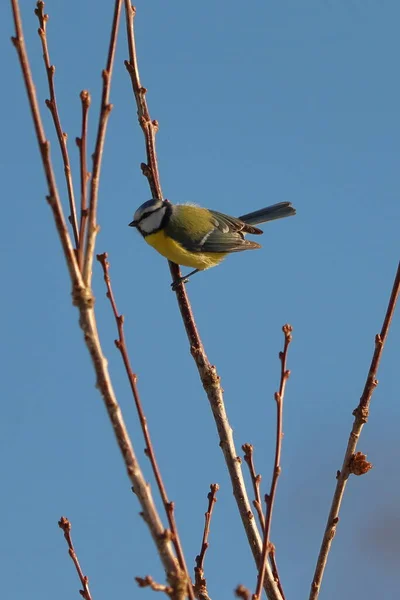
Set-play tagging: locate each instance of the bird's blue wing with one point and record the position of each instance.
(213, 232)
(226, 223)
(227, 235)
(229, 241)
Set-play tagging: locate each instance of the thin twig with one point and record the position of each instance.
(255, 480)
(105, 110)
(156, 587)
(149, 127)
(53, 197)
(81, 142)
(270, 498)
(274, 567)
(83, 299)
(149, 451)
(208, 373)
(52, 106)
(200, 585)
(65, 525)
(361, 414)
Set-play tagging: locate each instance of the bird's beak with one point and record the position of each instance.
(133, 224)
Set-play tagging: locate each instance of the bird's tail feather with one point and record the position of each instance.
(270, 213)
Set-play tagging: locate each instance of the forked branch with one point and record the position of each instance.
(208, 373)
(354, 462)
(149, 450)
(53, 197)
(83, 299)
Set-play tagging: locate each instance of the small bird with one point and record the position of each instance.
(197, 237)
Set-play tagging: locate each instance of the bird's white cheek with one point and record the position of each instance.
(152, 222)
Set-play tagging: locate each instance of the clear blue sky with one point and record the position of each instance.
(258, 102)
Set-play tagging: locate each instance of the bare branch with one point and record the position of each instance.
(83, 299)
(200, 586)
(149, 127)
(256, 481)
(156, 587)
(274, 567)
(270, 498)
(52, 106)
(44, 147)
(105, 110)
(208, 373)
(149, 451)
(354, 462)
(81, 142)
(65, 525)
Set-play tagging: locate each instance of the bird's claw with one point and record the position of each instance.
(177, 282)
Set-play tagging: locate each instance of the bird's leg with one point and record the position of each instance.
(183, 279)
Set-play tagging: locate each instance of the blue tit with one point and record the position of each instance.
(199, 237)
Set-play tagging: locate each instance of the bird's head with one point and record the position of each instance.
(150, 216)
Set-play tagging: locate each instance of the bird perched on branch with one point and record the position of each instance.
(198, 237)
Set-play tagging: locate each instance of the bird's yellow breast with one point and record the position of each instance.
(177, 254)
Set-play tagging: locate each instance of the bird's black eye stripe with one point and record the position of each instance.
(148, 213)
(144, 215)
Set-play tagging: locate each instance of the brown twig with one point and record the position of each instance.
(65, 525)
(81, 142)
(149, 127)
(255, 480)
(105, 110)
(149, 451)
(83, 299)
(200, 585)
(274, 567)
(44, 147)
(208, 373)
(361, 414)
(156, 587)
(270, 498)
(52, 106)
